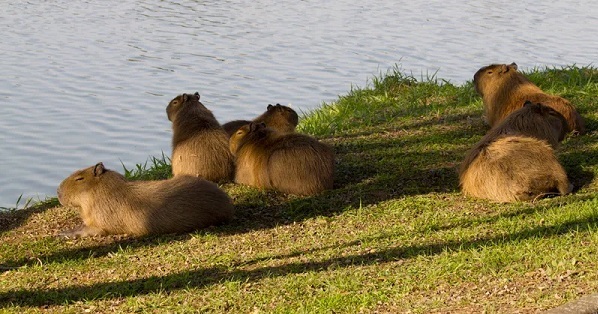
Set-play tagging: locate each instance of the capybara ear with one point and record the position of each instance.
(252, 126)
(513, 66)
(269, 107)
(196, 95)
(504, 68)
(527, 103)
(536, 108)
(185, 98)
(99, 169)
(277, 105)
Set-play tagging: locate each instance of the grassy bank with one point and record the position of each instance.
(395, 235)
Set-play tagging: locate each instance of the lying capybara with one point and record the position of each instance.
(280, 118)
(109, 204)
(199, 144)
(534, 120)
(512, 168)
(289, 162)
(504, 89)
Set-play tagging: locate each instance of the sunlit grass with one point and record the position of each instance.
(395, 234)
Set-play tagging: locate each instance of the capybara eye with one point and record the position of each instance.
(489, 72)
(79, 179)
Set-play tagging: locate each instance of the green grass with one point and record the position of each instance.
(395, 235)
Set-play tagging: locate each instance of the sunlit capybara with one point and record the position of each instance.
(199, 144)
(109, 204)
(288, 162)
(535, 120)
(504, 89)
(280, 118)
(512, 168)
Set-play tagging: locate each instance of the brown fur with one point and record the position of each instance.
(534, 120)
(199, 144)
(512, 168)
(292, 163)
(280, 118)
(504, 89)
(109, 204)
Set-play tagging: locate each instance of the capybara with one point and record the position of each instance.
(199, 144)
(504, 89)
(109, 204)
(534, 120)
(512, 168)
(288, 162)
(280, 118)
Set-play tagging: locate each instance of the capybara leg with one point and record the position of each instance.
(81, 231)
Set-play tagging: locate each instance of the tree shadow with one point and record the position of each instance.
(367, 172)
(204, 277)
(575, 163)
(106, 245)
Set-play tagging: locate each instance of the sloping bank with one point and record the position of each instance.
(394, 235)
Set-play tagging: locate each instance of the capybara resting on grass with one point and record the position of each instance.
(280, 118)
(512, 168)
(199, 144)
(292, 163)
(504, 89)
(109, 204)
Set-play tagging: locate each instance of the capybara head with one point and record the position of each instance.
(283, 112)
(77, 188)
(243, 134)
(182, 102)
(489, 76)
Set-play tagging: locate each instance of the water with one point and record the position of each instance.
(88, 81)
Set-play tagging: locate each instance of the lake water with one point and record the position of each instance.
(88, 81)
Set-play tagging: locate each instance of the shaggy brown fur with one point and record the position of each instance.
(534, 120)
(292, 163)
(512, 168)
(504, 89)
(199, 144)
(109, 204)
(280, 118)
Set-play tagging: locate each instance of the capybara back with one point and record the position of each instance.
(292, 163)
(109, 204)
(513, 168)
(199, 144)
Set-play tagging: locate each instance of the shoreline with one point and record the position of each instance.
(394, 235)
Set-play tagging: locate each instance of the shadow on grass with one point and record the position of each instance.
(106, 246)
(575, 163)
(200, 278)
(367, 172)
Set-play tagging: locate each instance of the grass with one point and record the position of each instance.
(395, 235)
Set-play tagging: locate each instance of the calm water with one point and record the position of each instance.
(88, 81)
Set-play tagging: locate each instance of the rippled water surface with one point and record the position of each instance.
(87, 82)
